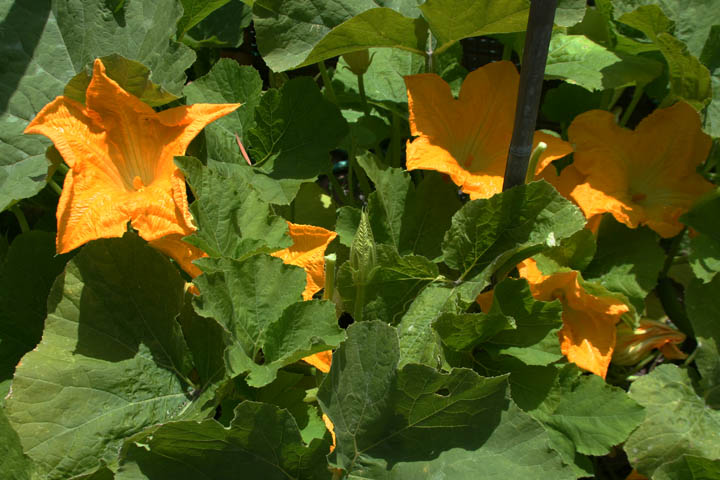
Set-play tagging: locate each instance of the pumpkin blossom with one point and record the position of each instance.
(468, 138)
(120, 153)
(588, 335)
(644, 176)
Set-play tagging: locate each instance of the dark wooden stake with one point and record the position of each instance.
(537, 40)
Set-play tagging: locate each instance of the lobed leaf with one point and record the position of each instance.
(112, 349)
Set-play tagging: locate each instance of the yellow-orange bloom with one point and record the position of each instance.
(308, 252)
(633, 344)
(643, 177)
(468, 138)
(120, 153)
(588, 335)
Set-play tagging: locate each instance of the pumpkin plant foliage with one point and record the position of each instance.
(269, 239)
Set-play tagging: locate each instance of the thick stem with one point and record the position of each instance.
(537, 41)
(329, 290)
(329, 91)
(395, 144)
(337, 188)
(363, 97)
(24, 227)
(637, 95)
(534, 159)
(56, 188)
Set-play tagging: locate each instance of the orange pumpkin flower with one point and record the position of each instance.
(588, 335)
(120, 153)
(643, 177)
(468, 138)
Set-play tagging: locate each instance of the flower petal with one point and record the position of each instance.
(588, 334)
(321, 360)
(643, 177)
(307, 251)
(182, 252)
(468, 138)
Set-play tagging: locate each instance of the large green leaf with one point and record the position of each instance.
(419, 342)
(578, 60)
(689, 427)
(587, 412)
(534, 340)
(292, 33)
(233, 221)
(25, 280)
(262, 441)
(453, 20)
(296, 129)
(388, 292)
(689, 467)
(14, 465)
(383, 80)
(627, 261)
(227, 82)
(413, 219)
(43, 46)
(575, 253)
(215, 30)
(416, 422)
(132, 76)
(689, 79)
(703, 216)
(524, 220)
(111, 362)
(194, 11)
(703, 307)
(258, 302)
(692, 19)
(704, 257)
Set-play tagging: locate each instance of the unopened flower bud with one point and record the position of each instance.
(632, 345)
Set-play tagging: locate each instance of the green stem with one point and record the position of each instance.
(672, 252)
(617, 93)
(337, 188)
(363, 97)
(394, 153)
(54, 186)
(24, 227)
(534, 159)
(329, 91)
(330, 261)
(362, 179)
(359, 302)
(62, 168)
(507, 51)
(637, 95)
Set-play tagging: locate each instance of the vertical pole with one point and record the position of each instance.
(537, 41)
